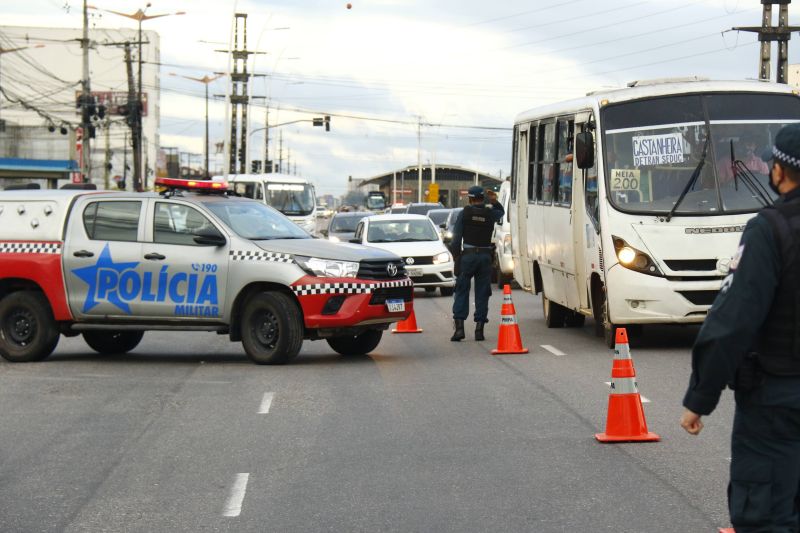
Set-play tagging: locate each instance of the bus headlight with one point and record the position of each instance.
(327, 268)
(443, 257)
(633, 259)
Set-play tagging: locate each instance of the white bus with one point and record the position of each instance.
(628, 205)
(291, 195)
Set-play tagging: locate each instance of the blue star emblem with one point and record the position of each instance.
(103, 279)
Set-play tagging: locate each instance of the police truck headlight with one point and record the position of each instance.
(327, 268)
(334, 238)
(443, 257)
(633, 259)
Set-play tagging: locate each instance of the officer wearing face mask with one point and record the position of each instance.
(750, 341)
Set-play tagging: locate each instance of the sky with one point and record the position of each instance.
(457, 71)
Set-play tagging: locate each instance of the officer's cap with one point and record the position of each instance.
(476, 191)
(787, 147)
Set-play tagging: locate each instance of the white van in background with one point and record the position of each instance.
(291, 195)
(503, 257)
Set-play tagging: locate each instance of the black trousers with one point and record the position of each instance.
(764, 489)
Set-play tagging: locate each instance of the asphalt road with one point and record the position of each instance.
(185, 434)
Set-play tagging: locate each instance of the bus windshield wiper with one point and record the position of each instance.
(694, 176)
(756, 188)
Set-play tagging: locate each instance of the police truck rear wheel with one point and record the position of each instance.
(112, 342)
(28, 331)
(272, 328)
(358, 344)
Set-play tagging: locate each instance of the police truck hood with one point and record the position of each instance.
(325, 249)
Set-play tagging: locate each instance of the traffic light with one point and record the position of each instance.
(255, 166)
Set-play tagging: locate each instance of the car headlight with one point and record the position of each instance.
(443, 257)
(448, 234)
(327, 268)
(334, 238)
(633, 259)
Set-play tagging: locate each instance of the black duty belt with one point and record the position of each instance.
(475, 250)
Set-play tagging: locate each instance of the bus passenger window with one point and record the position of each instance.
(563, 185)
(546, 168)
(532, 155)
(590, 194)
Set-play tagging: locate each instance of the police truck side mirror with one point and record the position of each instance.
(584, 149)
(209, 237)
(355, 241)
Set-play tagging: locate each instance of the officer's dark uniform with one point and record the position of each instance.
(758, 312)
(474, 225)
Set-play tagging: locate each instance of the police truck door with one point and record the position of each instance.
(102, 254)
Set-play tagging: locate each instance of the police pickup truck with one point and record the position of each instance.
(112, 265)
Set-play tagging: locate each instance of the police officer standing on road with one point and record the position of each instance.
(751, 342)
(474, 225)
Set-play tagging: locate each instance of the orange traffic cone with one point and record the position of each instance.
(625, 420)
(508, 339)
(409, 325)
(726, 530)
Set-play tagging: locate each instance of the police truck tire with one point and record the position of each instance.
(28, 331)
(272, 328)
(446, 291)
(112, 342)
(356, 344)
(554, 314)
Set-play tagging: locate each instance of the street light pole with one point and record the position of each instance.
(205, 80)
(139, 17)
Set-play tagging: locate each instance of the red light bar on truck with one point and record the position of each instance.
(207, 186)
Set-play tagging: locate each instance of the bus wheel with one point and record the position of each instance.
(554, 314)
(575, 319)
(609, 329)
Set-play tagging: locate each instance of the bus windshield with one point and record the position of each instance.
(653, 147)
(291, 199)
(376, 202)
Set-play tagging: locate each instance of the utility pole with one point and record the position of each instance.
(419, 159)
(106, 169)
(280, 151)
(134, 121)
(267, 165)
(86, 95)
(288, 160)
(239, 95)
(768, 33)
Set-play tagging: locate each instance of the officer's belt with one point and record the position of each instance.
(476, 250)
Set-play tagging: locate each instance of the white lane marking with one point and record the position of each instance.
(233, 507)
(266, 403)
(553, 350)
(644, 400)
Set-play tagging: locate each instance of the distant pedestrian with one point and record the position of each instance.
(750, 341)
(474, 226)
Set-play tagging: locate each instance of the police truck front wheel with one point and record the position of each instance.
(356, 344)
(272, 328)
(28, 331)
(112, 342)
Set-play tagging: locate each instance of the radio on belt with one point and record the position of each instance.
(112, 265)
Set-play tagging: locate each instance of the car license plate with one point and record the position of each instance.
(395, 306)
(414, 272)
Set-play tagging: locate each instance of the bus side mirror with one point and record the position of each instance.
(584, 149)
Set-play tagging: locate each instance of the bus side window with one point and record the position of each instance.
(514, 151)
(563, 183)
(532, 157)
(547, 167)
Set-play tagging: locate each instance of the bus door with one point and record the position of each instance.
(584, 198)
(523, 267)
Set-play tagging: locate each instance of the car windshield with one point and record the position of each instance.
(439, 216)
(405, 230)
(295, 199)
(255, 221)
(376, 202)
(345, 223)
(654, 146)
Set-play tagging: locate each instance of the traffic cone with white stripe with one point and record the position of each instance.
(409, 325)
(625, 422)
(508, 339)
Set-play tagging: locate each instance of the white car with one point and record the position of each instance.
(415, 239)
(504, 259)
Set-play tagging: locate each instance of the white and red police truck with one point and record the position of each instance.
(112, 265)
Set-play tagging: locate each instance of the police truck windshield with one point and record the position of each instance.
(255, 221)
(653, 146)
(294, 199)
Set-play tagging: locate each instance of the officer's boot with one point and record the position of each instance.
(458, 334)
(479, 331)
